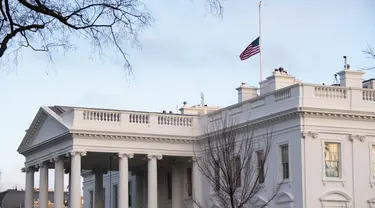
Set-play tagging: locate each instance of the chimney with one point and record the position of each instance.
(279, 79)
(246, 92)
(351, 78)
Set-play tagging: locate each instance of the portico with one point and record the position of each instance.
(86, 144)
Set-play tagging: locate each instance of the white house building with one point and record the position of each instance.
(323, 154)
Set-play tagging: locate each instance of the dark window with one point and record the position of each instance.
(189, 181)
(260, 165)
(169, 185)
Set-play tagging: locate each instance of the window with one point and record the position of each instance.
(104, 195)
(169, 185)
(284, 150)
(189, 181)
(91, 199)
(260, 165)
(373, 162)
(217, 177)
(332, 159)
(130, 193)
(115, 196)
(237, 171)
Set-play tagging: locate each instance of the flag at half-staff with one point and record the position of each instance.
(251, 50)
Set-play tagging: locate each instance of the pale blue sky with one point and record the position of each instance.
(184, 53)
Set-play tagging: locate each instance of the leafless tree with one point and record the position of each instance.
(43, 25)
(234, 162)
(370, 53)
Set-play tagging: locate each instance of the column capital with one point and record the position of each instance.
(73, 153)
(157, 156)
(28, 169)
(123, 154)
(56, 159)
(41, 165)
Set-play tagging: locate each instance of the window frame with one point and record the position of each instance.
(279, 162)
(341, 177)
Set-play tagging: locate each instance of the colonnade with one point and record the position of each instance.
(75, 182)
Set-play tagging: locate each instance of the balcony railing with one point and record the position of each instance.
(133, 122)
(299, 95)
(176, 125)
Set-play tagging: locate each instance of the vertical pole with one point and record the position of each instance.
(260, 41)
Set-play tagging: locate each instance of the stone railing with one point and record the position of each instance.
(135, 122)
(300, 95)
(330, 92)
(368, 95)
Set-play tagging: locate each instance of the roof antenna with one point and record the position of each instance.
(202, 99)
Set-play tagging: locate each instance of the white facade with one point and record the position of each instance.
(329, 132)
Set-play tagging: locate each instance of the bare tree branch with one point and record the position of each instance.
(43, 25)
(234, 162)
(370, 53)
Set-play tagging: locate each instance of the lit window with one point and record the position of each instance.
(332, 159)
(373, 162)
(284, 149)
(260, 165)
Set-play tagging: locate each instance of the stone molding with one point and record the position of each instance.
(311, 134)
(353, 137)
(157, 156)
(133, 138)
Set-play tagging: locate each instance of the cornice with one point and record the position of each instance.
(115, 136)
(53, 141)
(334, 113)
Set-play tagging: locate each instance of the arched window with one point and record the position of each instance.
(284, 200)
(334, 199)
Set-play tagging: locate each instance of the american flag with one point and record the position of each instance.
(251, 50)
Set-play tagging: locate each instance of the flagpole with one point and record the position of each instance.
(260, 41)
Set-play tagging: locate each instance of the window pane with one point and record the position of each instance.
(332, 159)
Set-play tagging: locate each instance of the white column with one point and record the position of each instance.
(75, 171)
(29, 187)
(197, 183)
(59, 183)
(123, 187)
(43, 185)
(99, 194)
(152, 195)
(176, 187)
